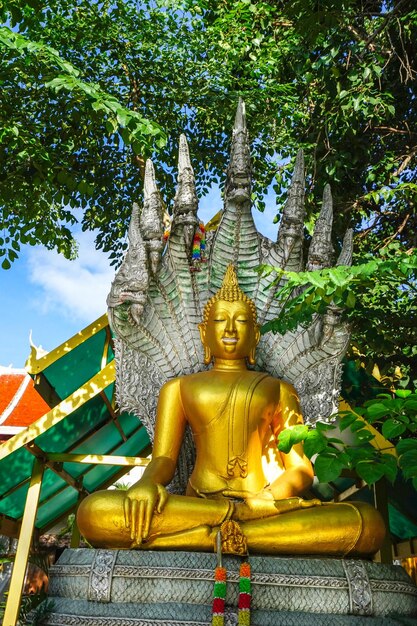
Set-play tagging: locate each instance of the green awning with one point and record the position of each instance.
(77, 381)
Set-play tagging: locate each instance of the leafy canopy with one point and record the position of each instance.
(91, 88)
(376, 297)
(395, 415)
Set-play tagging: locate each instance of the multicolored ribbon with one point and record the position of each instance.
(199, 245)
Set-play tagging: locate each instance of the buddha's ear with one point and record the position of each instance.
(202, 329)
(257, 330)
(257, 336)
(207, 352)
(207, 355)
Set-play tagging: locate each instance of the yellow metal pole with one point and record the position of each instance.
(384, 555)
(11, 613)
(98, 459)
(75, 535)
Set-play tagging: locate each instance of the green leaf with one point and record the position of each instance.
(347, 420)
(314, 443)
(284, 441)
(364, 435)
(410, 405)
(298, 432)
(335, 440)
(291, 436)
(357, 426)
(324, 426)
(408, 463)
(376, 410)
(111, 125)
(410, 471)
(328, 467)
(97, 105)
(403, 393)
(350, 300)
(370, 471)
(406, 444)
(126, 135)
(390, 465)
(337, 276)
(393, 428)
(122, 117)
(408, 458)
(365, 452)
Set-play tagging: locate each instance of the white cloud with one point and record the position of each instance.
(75, 289)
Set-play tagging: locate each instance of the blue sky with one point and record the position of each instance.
(50, 296)
(53, 298)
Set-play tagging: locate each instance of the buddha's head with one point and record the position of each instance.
(229, 329)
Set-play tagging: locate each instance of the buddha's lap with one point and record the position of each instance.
(105, 510)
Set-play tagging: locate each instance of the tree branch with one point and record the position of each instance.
(395, 130)
(405, 163)
(398, 232)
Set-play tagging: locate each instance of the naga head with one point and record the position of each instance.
(239, 173)
(229, 329)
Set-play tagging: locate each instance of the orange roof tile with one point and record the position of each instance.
(20, 403)
(9, 384)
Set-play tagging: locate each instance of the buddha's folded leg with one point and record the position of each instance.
(256, 508)
(185, 522)
(189, 523)
(354, 529)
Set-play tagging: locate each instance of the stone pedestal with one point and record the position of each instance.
(133, 588)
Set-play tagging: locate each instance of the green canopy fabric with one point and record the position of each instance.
(77, 381)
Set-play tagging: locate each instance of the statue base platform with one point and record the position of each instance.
(134, 588)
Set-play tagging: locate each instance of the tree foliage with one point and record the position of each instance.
(87, 87)
(339, 79)
(393, 414)
(376, 297)
(52, 121)
(90, 88)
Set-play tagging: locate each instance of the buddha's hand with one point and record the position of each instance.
(141, 502)
(293, 504)
(264, 505)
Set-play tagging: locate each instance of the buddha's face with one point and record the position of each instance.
(230, 331)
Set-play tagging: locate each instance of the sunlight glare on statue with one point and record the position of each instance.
(235, 414)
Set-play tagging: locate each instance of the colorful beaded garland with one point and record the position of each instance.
(245, 597)
(219, 596)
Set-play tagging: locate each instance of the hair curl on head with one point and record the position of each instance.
(230, 292)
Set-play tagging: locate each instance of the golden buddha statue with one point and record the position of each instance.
(235, 415)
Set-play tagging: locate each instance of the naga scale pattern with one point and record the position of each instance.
(157, 297)
(175, 588)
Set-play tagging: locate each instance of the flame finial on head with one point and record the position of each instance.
(230, 292)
